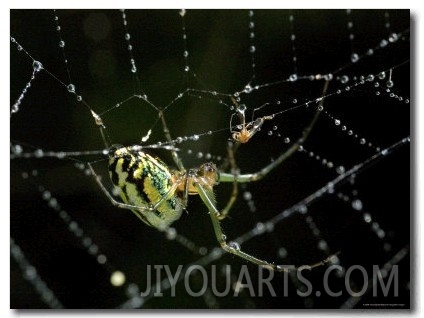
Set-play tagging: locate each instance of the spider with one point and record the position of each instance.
(158, 195)
(246, 131)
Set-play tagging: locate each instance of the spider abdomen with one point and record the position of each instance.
(143, 181)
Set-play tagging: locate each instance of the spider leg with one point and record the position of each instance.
(136, 208)
(228, 177)
(208, 198)
(168, 137)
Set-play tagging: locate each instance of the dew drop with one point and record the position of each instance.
(19, 48)
(322, 245)
(127, 36)
(195, 137)
(133, 69)
(186, 68)
(303, 209)
(370, 52)
(171, 233)
(362, 141)
(293, 77)
(367, 217)
(337, 122)
(393, 37)
(383, 43)
(62, 44)
(320, 108)
(357, 205)
(344, 79)
(270, 133)
(38, 153)
(71, 88)
(37, 66)
(389, 83)
(182, 12)
(247, 196)
(252, 49)
(370, 78)
(294, 101)
(354, 58)
(234, 245)
(340, 169)
(286, 140)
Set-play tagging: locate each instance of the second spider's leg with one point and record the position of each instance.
(227, 177)
(168, 137)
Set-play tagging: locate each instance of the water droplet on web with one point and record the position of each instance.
(293, 77)
(133, 69)
(294, 101)
(320, 108)
(223, 237)
(270, 133)
(344, 79)
(389, 83)
(171, 234)
(287, 140)
(322, 245)
(274, 127)
(367, 217)
(71, 88)
(79, 98)
(383, 43)
(195, 137)
(37, 66)
(247, 196)
(393, 37)
(62, 44)
(252, 49)
(234, 245)
(370, 78)
(354, 58)
(127, 36)
(251, 25)
(302, 209)
(357, 205)
(38, 153)
(186, 69)
(182, 12)
(362, 141)
(19, 48)
(185, 53)
(337, 122)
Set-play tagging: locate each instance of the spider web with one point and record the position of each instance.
(345, 192)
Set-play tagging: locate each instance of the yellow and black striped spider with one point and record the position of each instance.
(158, 195)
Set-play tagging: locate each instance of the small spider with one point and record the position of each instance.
(246, 130)
(158, 195)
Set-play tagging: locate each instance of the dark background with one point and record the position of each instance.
(217, 40)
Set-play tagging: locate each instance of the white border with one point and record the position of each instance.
(416, 13)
